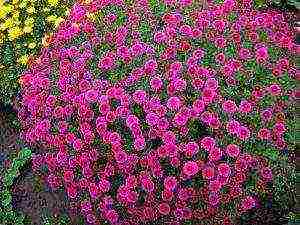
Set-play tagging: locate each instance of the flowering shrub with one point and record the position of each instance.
(158, 111)
(24, 29)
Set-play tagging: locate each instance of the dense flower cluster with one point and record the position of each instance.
(24, 28)
(157, 110)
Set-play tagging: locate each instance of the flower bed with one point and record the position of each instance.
(24, 28)
(157, 111)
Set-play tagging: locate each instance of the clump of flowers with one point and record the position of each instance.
(161, 113)
(24, 29)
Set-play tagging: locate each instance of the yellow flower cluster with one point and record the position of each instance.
(23, 24)
(13, 27)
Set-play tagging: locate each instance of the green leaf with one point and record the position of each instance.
(6, 198)
(25, 153)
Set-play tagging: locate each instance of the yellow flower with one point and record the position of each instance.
(16, 15)
(14, 2)
(87, 1)
(14, 33)
(58, 21)
(46, 9)
(23, 59)
(45, 40)
(91, 16)
(51, 18)
(23, 4)
(52, 2)
(4, 10)
(7, 24)
(27, 29)
(32, 45)
(29, 21)
(30, 10)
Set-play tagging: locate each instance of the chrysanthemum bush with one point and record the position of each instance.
(160, 111)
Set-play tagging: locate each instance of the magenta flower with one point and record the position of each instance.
(131, 120)
(274, 89)
(212, 83)
(264, 134)
(139, 143)
(174, 103)
(147, 184)
(220, 42)
(114, 138)
(112, 216)
(244, 133)
(71, 191)
(104, 185)
(215, 154)
(186, 30)
(131, 181)
(140, 96)
(91, 218)
(150, 66)
(245, 106)
(164, 208)
(229, 106)
(245, 53)
(208, 95)
(190, 168)
(156, 83)
(262, 53)
(183, 194)
(224, 169)
(219, 25)
(120, 156)
(214, 199)
(185, 3)
(279, 128)
(233, 127)
(233, 150)
(248, 203)
(266, 173)
(152, 119)
(180, 119)
(78, 12)
(132, 197)
(214, 185)
(93, 190)
(107, 62)
(266, 114)
(179, 84)
(191, 149)
(175, 161)
(170, 183)
(68, 176)
(137, 49)
(171, 149)
(208, 143)
(160, 37)
(208, 172)
(110, 18)
(77, 144)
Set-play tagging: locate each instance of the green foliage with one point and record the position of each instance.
(158, 8)
(145, 31)
(7, 215)
(197, 129)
